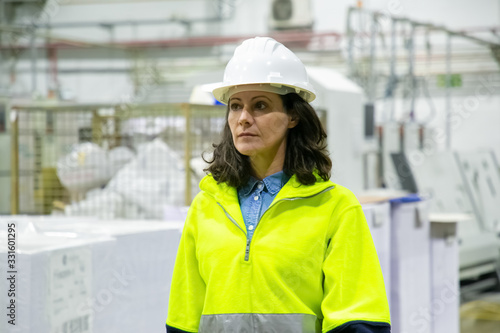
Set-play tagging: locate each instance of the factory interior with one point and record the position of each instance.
(107, 118)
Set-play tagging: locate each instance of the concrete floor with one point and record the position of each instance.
(481, 315)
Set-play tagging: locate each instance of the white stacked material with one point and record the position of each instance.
(94, 276)
(104, 205)
(54, 275)
(142, 189)
(89, 166)
(378, 217)
(84, 168)
(135, 297)
(118, 157)
(445, 271)
(152, 180)
(411, 310)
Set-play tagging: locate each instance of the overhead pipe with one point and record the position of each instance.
(301, 38)
(104, 25)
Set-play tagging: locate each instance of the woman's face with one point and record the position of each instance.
(259, 124)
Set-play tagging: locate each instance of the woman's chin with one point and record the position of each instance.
(247, 151)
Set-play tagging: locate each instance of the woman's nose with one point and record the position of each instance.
(245, 117)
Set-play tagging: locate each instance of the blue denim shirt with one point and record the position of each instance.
(257, 195)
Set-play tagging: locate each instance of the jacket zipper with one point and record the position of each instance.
(231, 218)
(247, 248)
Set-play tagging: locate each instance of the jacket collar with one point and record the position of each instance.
(227, 195)
(294, 189)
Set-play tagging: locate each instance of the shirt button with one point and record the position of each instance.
(260, 186)
(256, 198)
(250, 227)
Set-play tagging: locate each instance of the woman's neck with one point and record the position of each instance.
(261, 171)
(265, 165)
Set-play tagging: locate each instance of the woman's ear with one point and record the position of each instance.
(293, 121)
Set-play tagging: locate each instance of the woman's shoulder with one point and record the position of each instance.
(210, 189)
(210, 185)
(344, 195)
(342, 190)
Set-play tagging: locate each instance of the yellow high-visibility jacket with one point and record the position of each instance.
(310, 266)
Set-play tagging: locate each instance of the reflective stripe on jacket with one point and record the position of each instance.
(311, 265)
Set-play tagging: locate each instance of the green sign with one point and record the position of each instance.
(455, 80)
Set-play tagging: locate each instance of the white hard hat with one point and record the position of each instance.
(266, 65)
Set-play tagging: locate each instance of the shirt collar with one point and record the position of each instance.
(273, 183)
(248, 188)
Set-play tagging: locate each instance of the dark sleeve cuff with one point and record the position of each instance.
(171, 329)
(359, 326)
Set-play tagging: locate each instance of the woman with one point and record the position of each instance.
(270, 244)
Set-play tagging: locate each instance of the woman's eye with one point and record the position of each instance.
(260, 106)
(235, 107)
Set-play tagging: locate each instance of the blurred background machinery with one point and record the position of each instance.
(431, 104)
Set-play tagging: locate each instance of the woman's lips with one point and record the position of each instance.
(246, 134)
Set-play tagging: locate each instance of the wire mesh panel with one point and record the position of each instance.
(42, 137)
(110, 161)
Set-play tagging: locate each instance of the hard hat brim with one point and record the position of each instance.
(222, 91)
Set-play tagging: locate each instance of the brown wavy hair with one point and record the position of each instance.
(305, 149)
